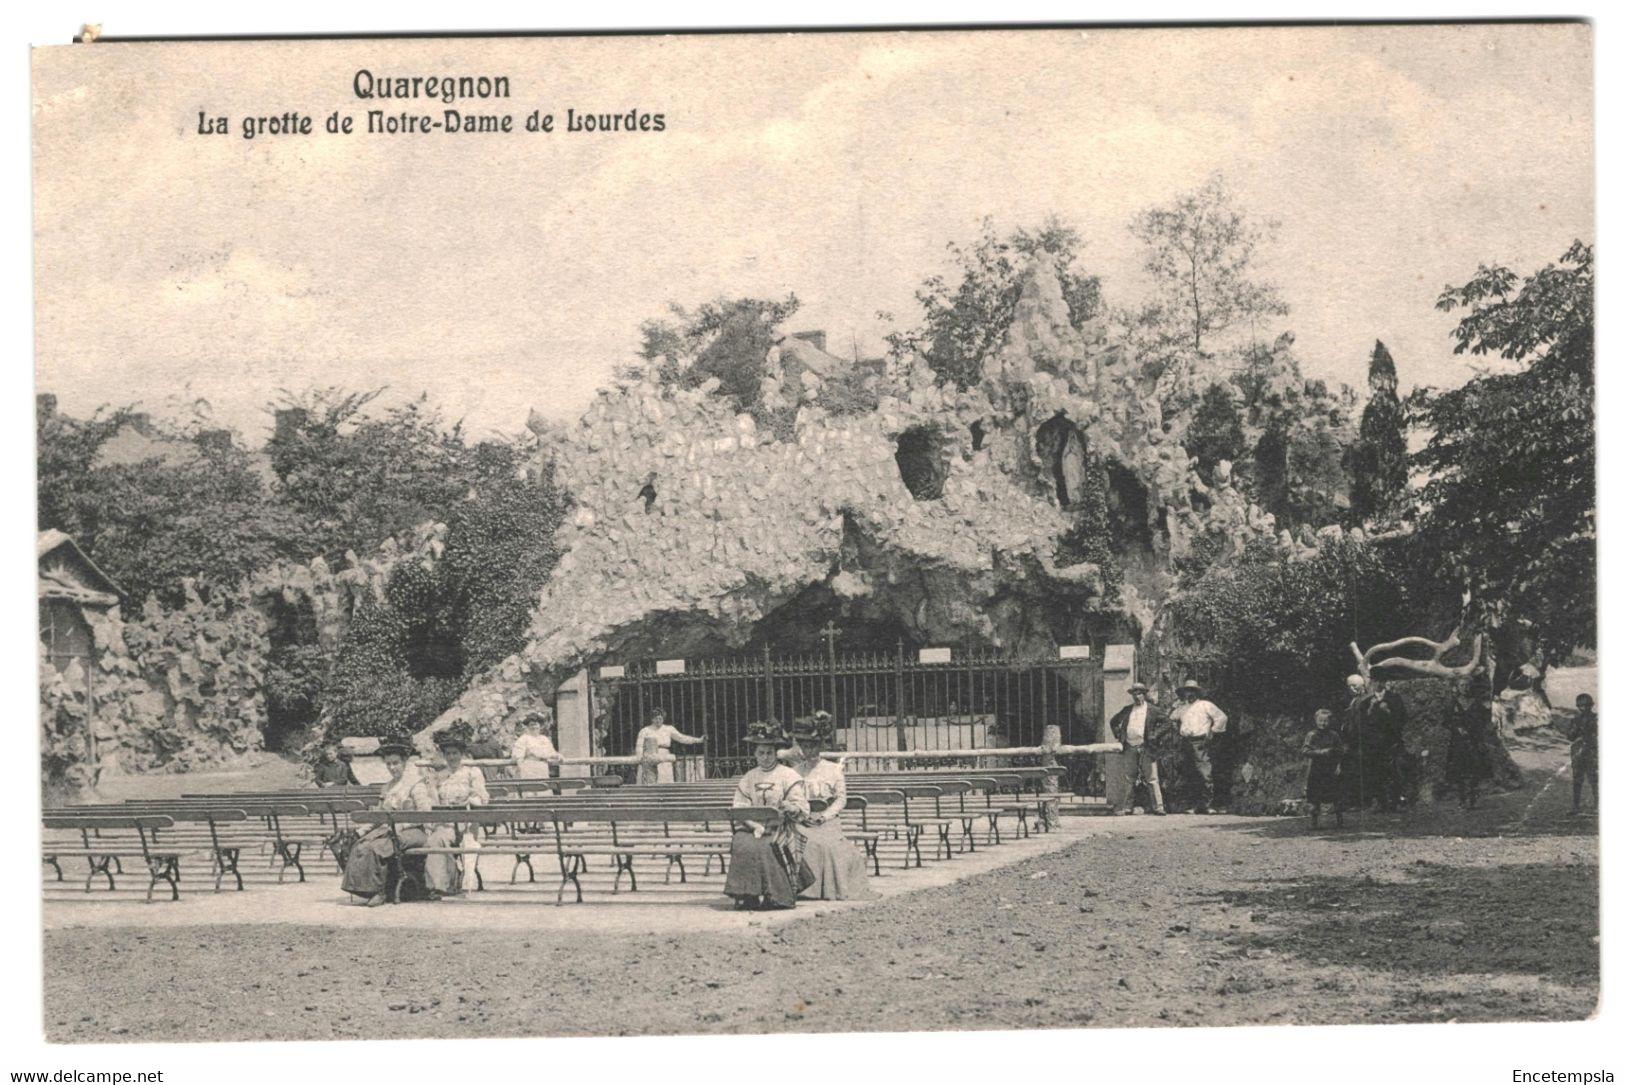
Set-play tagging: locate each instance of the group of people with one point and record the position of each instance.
(1362, 761)
(457, 784)
(1356, 762)
(1147, 733)
(806, 854)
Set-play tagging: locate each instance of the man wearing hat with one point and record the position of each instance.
(1140, 727)
(1200, 722)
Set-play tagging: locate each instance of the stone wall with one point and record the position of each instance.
(172, 691)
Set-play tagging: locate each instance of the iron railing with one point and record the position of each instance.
(905, 700)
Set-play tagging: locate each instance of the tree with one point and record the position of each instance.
(1215, 431)
(201, 510)
(1200, 255)
(1509, 507)
(66, 451)
(408, 656)
(727, 339)
(1378, 460)
(355, 478)
(967, 320)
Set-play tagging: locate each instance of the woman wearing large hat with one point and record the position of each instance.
(367, 870)
(827, 855)
(459, 784)
(764, 866)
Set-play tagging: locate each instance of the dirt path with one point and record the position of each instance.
(1442, 915)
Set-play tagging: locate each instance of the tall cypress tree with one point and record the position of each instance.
(1378, 466)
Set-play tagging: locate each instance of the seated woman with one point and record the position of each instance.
(764, 867)
(459, 785)
(367, 871)
(827, 855)
(533, 752)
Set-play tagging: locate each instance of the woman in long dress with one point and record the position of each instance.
(367, 871)
(459, 785)
(827, 855)
(656, 739)
(533, 752)
(764, 865)
(1467, 757)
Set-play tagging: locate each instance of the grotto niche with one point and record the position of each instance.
(932, 518)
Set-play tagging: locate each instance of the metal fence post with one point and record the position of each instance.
(897, 706)
(767, 677)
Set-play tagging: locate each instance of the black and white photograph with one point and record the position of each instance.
(896, 530)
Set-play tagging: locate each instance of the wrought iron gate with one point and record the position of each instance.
(907, 700)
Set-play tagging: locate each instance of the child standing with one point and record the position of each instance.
(1324, 748)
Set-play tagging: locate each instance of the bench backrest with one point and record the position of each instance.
(97, 822)
(494, 815)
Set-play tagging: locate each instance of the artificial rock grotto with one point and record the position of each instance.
(937, 514)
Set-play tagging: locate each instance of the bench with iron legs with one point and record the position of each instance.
(286, 848)
(102, 853)
(872, 825)
(624, 844)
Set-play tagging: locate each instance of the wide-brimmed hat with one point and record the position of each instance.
(455, 737)
(818, 727)
(1138, 687)
(1191, 685)
(398, 746)
(764, 733)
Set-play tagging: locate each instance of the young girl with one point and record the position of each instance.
(1324, 748)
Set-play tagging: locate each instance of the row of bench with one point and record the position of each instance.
(577, 818)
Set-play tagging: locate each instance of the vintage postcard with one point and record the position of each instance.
(858, 531)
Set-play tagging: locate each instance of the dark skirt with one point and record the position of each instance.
(367, 871)
(1324, 783)
(1466, 759)
(757, 869)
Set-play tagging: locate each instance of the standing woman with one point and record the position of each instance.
(835, 865)
(367, 871)
(533, 752)
(654, 741)
(1467, 757)
(764, 866)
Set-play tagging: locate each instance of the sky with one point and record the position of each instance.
(501, 273)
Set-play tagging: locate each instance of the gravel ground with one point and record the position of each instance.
(1440, 915)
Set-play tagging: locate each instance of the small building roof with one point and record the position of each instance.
(66, 572)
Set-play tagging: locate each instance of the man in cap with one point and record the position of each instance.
(1200, 722)
(1140, 728)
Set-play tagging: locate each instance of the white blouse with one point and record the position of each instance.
(780, 788)
(826, 782)
(465, 787)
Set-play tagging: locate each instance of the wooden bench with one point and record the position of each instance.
(287, 849)
(572, 850)
(722, 791)
(163, 865)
